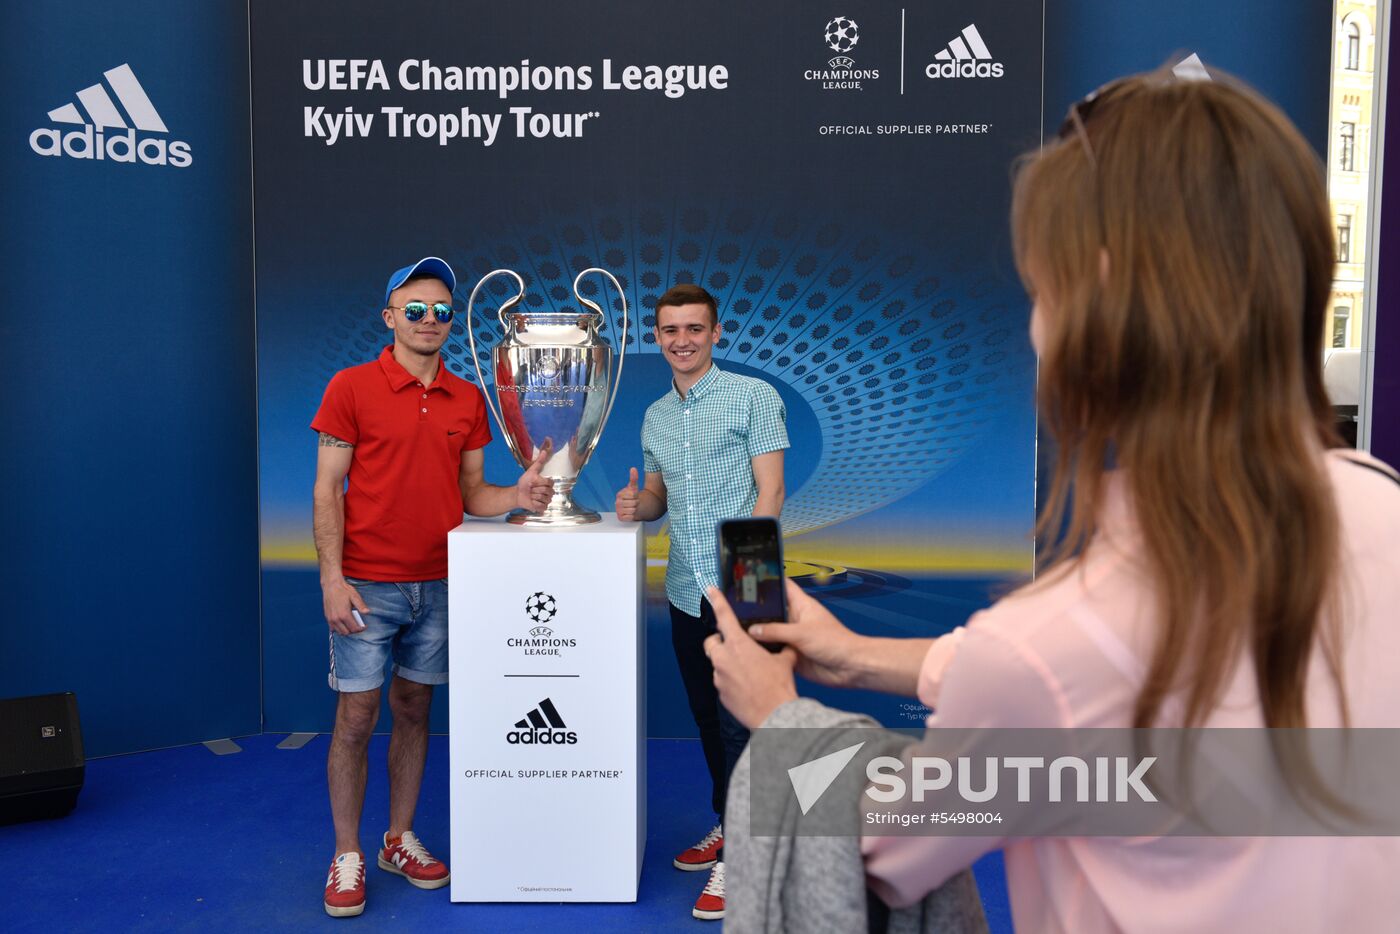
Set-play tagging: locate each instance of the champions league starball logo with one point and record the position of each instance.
(842, 34)
(540, 607)
(840, 74)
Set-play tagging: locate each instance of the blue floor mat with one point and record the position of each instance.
(183, 840)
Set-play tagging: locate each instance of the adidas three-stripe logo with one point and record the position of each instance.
(93, 141)
(960, 50)
(104, 113)
(967, 56)
(534, 718)
(542, 726)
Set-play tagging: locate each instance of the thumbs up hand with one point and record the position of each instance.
(533, 492)
(627, 499)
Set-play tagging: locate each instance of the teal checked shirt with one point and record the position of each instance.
(702, 446)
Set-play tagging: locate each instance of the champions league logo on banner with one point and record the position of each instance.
(842, 34)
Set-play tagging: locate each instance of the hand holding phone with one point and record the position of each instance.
(751, 570)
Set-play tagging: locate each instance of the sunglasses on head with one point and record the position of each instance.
(1080, 111)
(414, 311)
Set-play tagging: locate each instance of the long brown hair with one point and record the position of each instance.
(1181, 240)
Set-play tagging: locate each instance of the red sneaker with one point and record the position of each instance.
(409, 859)
(703, 854)
(345, 886)
(710, 905)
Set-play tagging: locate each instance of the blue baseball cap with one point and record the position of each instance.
(428, 266)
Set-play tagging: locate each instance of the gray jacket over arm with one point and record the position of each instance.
(806, 884)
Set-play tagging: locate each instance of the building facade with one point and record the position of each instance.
(1348, 164)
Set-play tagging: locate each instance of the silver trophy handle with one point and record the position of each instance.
(471, 339)
(622, 349)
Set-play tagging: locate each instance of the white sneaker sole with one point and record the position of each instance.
(418, 883)
(693, 867)
(707, 915)
(348, 912)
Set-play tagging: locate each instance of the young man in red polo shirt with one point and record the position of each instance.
(408, 436)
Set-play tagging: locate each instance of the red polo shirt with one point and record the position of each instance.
(403, 496)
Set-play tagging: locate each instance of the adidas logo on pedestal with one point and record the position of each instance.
(542, 727)
(966, 56)
(95, 141)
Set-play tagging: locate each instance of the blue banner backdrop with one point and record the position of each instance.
(1283, 49)
(129, 468)
(838, 177)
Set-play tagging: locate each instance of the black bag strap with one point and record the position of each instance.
(1380, 467)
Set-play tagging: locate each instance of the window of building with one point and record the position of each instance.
(1348, 147)
(1344, 239)
(1341, 324)
(1353, 47)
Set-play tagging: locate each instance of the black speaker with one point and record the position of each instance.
(41, 757)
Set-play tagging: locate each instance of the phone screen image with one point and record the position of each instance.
(751, 569)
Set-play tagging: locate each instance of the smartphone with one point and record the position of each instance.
(751, 570)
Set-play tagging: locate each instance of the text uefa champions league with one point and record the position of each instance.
(333, 124)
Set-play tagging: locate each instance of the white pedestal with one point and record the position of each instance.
(548, 711)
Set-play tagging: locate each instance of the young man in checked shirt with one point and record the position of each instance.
(713, 449)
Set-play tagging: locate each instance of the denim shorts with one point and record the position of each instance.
(409, 619)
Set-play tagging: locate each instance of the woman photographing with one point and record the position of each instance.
(1219, 560)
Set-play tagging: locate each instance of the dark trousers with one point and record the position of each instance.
(722, 738)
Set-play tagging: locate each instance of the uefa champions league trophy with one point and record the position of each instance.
(554, 383)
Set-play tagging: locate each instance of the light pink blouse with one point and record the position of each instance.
(1073, 654)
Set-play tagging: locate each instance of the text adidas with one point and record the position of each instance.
(542, 737)
(964, 70)
(88, 143)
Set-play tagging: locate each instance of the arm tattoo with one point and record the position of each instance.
(331, 441)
